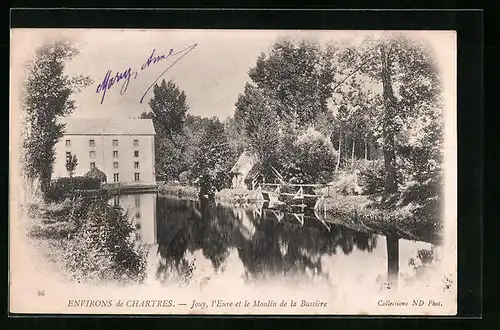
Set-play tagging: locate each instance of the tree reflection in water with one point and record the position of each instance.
(269, 243)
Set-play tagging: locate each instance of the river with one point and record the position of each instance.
(251, 243)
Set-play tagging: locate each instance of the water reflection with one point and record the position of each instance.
(257, 242)
(142, 207)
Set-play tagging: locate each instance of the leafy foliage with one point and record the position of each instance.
(186, 177)
(46, 97)
(310, 158)
(185, 142)
(169, 108)
(258, 121)
(104, 248)
(410, 83)
(376, 104)
(71, 164)
(237, 141)
(168, 112)
(210, 158)
(297, 77)
(63, 188)
(372, 178)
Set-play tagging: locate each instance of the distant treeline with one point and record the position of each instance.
(315, 113)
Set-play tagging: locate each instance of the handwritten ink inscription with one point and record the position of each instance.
(110, 79)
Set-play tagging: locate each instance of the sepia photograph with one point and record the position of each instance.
(177, 171)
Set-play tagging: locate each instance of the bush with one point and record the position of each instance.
(310, 158)
(372, 177)
(177, 190)
(186, 178)
(65, 187)
(427, 197)
(104, 248)
(347, 183)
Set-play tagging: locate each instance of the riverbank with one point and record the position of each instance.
(177, 190)
(73, 237)
(366, 213)
(225, 195)
(239, 196)
(358, 212)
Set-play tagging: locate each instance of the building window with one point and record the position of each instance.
(136, 143)
(136, 153)
(115, 164)
(68, 155)
(137, 201)
(68, 143)
(136, 176)
(92, 154)
(115, 143)
(137, 215)
(116, 201)
(91, 143)
(136, 164)
(92, 165)
(116, 177)
(115, 154)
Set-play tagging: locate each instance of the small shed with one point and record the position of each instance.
(242, 169)
(95, 173)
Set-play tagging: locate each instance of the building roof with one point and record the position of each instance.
(95, 126)
(95, 173)
(244, 164)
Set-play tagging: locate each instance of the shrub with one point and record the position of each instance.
(347, 183)
(104, 248)
(310, 158)
(65, 187)
(180, 191)
(372, 177)
(186, 178)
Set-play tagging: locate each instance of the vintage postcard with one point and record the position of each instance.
(233, 172)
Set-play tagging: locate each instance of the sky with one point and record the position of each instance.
(212, 74)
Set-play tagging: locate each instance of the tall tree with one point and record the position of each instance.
(168, 112)
(212, 157)
(169, 109)
(408, 79)
(46, 97)
(257, 118)
(297, 76)
(71, 164)
(237, 140)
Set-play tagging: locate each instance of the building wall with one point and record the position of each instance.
(104, 159)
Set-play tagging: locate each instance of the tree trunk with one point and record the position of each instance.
(45, 178)
(44, 184)
(352, 153)
(36, 184)
(340, 153)
(366, 150)
(388, 124)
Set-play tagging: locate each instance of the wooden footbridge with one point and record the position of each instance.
(293, 192)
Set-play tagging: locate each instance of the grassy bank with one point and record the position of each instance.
(178, 190)
(239, 196)
(225, 195)
(366, 213)
(89, 240)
